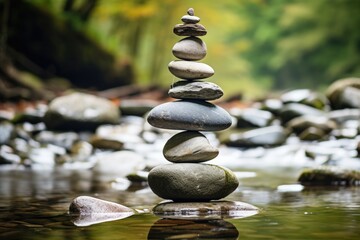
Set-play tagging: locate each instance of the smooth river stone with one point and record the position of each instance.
(204, 210)
(190, 70)
(190, 19)
(190, 29)
(192, 182)
(190, 48)
(194, 115)
(195, 90)
(189, 146)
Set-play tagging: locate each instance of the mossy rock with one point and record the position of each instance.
(329, 176)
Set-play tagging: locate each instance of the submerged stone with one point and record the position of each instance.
(204, 210)
(327, 176)
(189, 146)
(195, 90)
(190, 70)
(189, 115)
(186, 182)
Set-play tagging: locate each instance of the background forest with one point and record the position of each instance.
(255, 46)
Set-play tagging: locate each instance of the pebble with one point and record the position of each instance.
(195, 90)
(190, 70)
(189, 146)
(302, 123)
(204, 210)
(190, 48)
(192, 182)
(252, 117)
(189, 115)
(293, 110)
(190, 29)
(337, 95)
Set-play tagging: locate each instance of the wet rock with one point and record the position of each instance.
(344, 93)
(343, 115)
(65, 139)
(293, 110)
(190, 29)
(187, 229)
(326, 176)
(30, 115)
(345, 133)
(267, 136)
(119, 164)
(190, 48)
(302, 123)
(7, 155)
(190, 70)
(136, 107)
(7, 131)
(252, 117)
(312, 134)
(189, 115)
(195, 90)
(189, 146)
(126, 133)
(203, 182)
(92, 210)
(79, 111)
(81, 151)
(272, 105)
(138, 177)
(106, 143)
(204, 210)
(305, 96)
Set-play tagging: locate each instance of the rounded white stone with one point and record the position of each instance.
(190, 48)
(190, 70)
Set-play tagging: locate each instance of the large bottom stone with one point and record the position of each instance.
(186, 182)
(204, 210)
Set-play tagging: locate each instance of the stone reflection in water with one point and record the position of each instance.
(191, 229)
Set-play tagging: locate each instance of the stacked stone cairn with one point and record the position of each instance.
(188, 178)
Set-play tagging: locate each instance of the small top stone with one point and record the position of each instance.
(190, 11)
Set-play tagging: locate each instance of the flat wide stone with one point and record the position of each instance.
(192, 182)
(189, 146)
(204, 210)
(190, 29)
(190, 70)
(195, 90)
(190, 48)
(192, 115)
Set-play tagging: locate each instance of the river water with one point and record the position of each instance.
(34, 205)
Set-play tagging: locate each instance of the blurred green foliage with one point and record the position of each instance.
(253, 45)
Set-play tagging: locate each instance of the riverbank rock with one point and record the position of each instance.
(305, 96)
(330, 176)
(252, 117)
(204, 210)
(192, 182)
(189, 146)
(344, 93)
(267, 136)
(80, 111)
(189, 115)
(293, 110)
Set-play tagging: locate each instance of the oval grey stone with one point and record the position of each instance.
(204, 210)
(192, 115)
(190, 48)
(190, 19)
(190, 70)
(195, 90)
(192, 182)
(189, 146)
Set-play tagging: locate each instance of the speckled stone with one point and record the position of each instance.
(189, 146)
(190, 70)
(192, 115)
(195, 90)
(186, 182)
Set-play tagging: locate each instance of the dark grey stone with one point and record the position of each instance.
(189, 115)
(185, 182)
(195, 90)
(190, 29)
